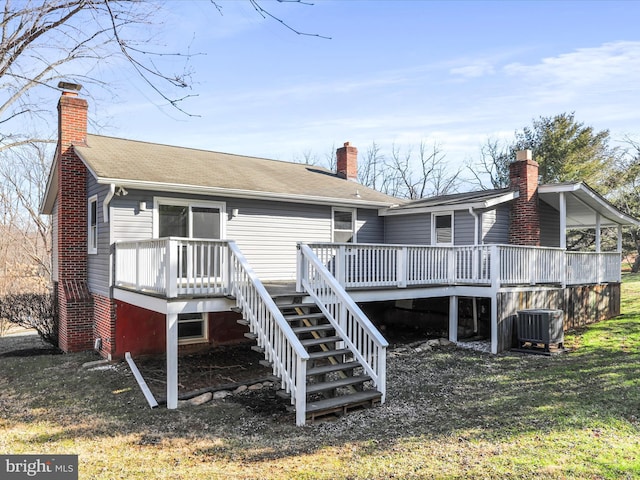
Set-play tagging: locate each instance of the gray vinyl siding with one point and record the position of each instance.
(412, 229)
(495, 225)
(464, 228)
(98, 264)
(370, 227)
(130, 222)
(549, 225)
(267, 232)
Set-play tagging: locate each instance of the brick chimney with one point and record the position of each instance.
(347, 162)
(75, 305)
(525, 218)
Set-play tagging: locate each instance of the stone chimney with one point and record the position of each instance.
(74, 300)
(347, 162)
(525, 218)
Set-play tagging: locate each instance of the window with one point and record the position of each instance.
(92, 221)
(184, 219)
(343, 225)
(442, 229)
(192, 328)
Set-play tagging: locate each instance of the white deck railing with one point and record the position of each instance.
(174, 267)
(588, 267)
(380, 266)
(361, 337)
(274, 334)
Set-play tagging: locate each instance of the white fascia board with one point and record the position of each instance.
(612, 211)
(507, 197)
(237, 193)
(51, 190)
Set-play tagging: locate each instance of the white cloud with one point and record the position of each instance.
(611, 66)
(479, 68)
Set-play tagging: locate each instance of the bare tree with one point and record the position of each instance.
(44, 41)
(427, 175)
(493, 165)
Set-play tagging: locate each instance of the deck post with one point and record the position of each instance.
(402, 266)
(453, 318)
(341, 266)
(171, 285)
(494, 321)
(300, 268)
(172, 360)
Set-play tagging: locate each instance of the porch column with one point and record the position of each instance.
(598, 226)
(172, 360)
(619, 238)
(453, 318)
(563, 221)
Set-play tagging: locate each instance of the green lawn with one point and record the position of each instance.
(450, 413)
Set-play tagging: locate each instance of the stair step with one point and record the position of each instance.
(319, 341)
(265, 363)
(304, 316)
(343, 402)
(342, 382)
(236, 309)
(334, 367)
(314, 328)
(289, 306)
(328, 353)
(251, 336)
(242, 321)
(258, 349)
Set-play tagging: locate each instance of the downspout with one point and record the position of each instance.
(107, 200)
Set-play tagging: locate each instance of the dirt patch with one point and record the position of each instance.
(218, 367)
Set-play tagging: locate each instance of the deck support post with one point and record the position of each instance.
(453, 318)
(494, 322)
(172, 360)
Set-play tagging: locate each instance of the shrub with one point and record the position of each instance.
(32, 310)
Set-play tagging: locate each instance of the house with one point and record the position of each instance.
(159, 248)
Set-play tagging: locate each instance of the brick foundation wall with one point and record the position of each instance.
(104, 316)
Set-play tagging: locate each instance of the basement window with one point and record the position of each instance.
(192, 328)
(92, 221)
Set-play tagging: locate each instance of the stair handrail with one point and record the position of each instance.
(345, 316)
(274, 334)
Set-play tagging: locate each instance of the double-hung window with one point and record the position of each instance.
(442, 228)
(343, 225)
(92, 225)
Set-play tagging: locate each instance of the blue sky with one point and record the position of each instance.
(454, 73)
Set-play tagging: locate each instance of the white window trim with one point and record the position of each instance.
(91, 235)
(434, 237)
(354, 222)
(182, 202)
(205, 330)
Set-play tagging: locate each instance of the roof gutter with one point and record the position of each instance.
(237, 193)
(107, 200)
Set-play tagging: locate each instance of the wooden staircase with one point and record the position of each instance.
(335, 381)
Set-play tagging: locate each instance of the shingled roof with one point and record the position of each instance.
(135, 164)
